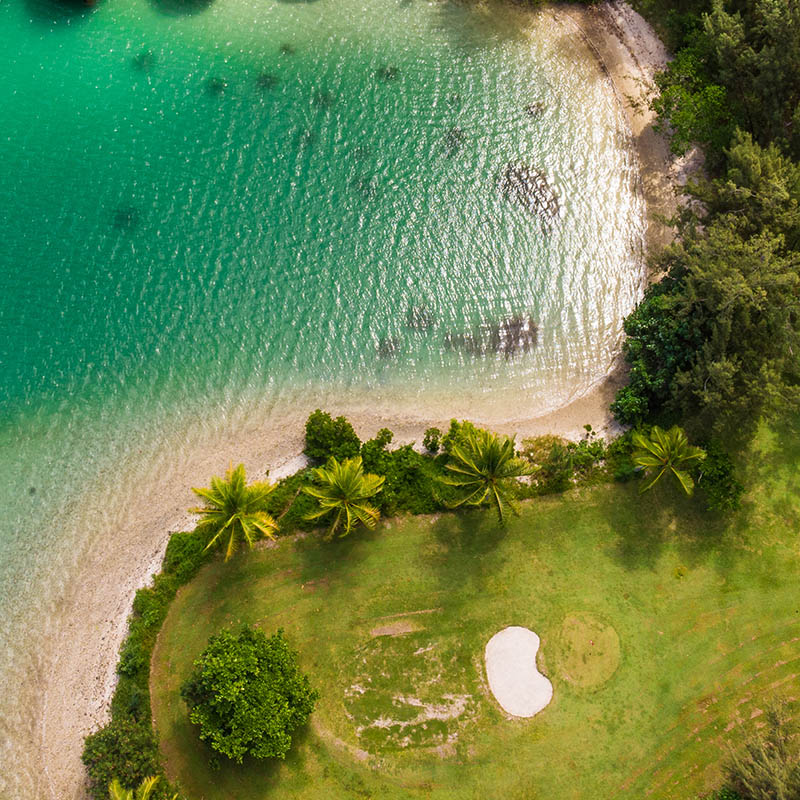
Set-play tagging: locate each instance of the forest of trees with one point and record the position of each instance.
(714, 344)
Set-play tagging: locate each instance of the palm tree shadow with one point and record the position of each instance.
(464, 550)
(323, 560)
(666, 517)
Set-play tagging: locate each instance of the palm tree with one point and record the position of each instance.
(485, 468)
(343, 490)
(117, 792)
(235, 510)
(666, 451)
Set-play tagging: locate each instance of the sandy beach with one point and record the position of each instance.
(76, 680)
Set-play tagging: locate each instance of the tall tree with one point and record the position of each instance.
(666, 452)
(234, 511)
(740, 297)
(342, 491)
(483, 469)
(767, 767)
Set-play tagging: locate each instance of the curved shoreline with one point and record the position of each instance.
(629, 53)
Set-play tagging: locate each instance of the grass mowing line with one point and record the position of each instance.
(700, 647)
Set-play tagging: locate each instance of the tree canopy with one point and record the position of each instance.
(342, 491)
(235, 511)
(247, 694)
(483, 468)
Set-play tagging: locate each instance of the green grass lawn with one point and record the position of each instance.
(665, 632)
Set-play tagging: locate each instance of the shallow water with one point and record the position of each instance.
(212, 209)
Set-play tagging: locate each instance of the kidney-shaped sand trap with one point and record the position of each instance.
(515, 681)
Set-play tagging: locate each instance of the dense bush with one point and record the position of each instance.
(326, 437)
(555, 473)
(717, 479)
(767, 767)
(432, 440)
(411, 477)
(124, 749)
(714, 344)
(248, 695)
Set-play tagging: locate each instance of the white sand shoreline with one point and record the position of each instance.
(81, 679)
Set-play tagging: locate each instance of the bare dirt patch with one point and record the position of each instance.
(396, 628)
(409, 692)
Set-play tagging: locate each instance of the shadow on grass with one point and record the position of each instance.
(323, 560)
(209, 768)
(465, 551)
(664, 517)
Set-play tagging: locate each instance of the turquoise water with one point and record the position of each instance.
(260, 204)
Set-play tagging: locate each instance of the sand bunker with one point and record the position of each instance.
(515, 681)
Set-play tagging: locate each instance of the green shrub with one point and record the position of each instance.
(555, 474)
(410, 476)
(126, 748)
(588, 452)
(248, 695)
(432, 440)
(767, 766)
(726, 794)
(123, 749)
(536, 449)
(185, 555)
(717, 479)
(326, 437)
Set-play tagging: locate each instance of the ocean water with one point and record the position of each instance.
(209, 205)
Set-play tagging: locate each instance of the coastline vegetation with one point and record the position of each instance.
(714, 343)
(695, 612)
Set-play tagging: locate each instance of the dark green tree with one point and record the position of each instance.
(767, 766)
(326, 437)
(739, 298)
(247, 694)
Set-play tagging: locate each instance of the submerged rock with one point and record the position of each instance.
(322, 99)
(305, 138)
(267, 81)
(508, 337)
(535, 109)
(126, 218)
(454, 140)
(144, 61)
(388, 346)
(529, 188)
(216, 86)
(365, 185)
(287, 49)
(387, 73)
(419, 318)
